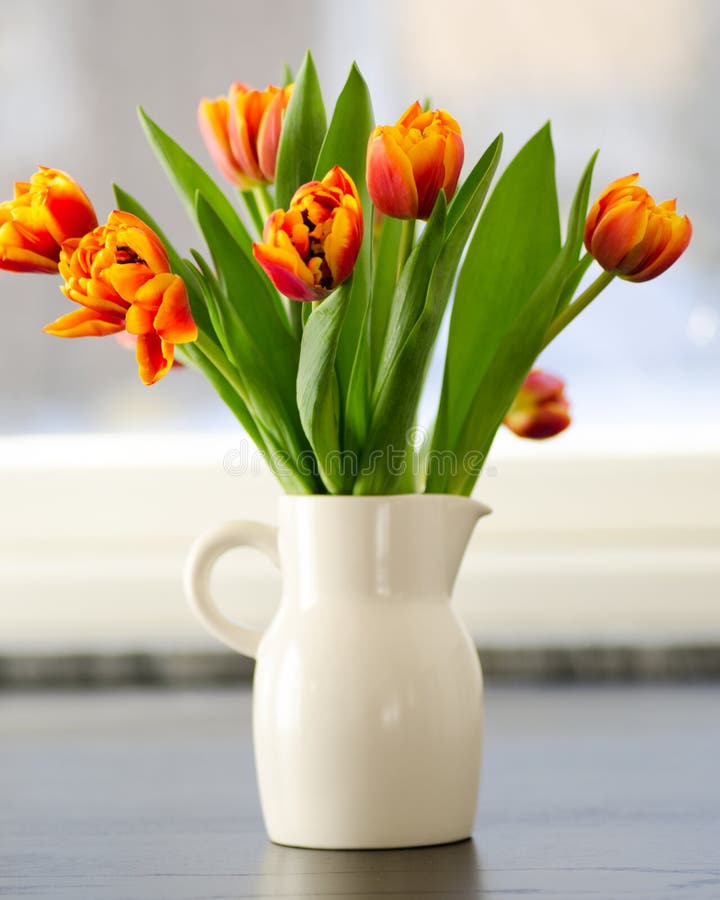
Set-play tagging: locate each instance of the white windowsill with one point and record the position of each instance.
(591, 539)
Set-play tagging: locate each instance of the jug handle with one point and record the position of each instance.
(204, 553)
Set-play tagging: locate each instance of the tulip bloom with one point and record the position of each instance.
(540, 409)
(44, 212)
(311, 248)
(409, 163)
(129, 342)
(242, 132)
(632, 237)
(120, 275)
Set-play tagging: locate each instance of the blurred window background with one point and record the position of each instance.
(637, 80)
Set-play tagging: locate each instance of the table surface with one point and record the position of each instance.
(597, 792)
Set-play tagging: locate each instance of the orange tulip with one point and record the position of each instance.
(44, 212)
(540, 409)
(632, 237)
(242, 132)
(409, 163)
(311, 248)
(120, 275)
(129, 342)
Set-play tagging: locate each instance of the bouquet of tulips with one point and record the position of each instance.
(316, 308)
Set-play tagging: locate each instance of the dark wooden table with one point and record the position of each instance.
(597, 792)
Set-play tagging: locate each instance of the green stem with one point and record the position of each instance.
(253, 209)
(295, 313)
(265, 202)
(407, 238)
(292, 479)
(576, 307)
(211, 350)
(260, 203)
(307, 311)
(288, 473)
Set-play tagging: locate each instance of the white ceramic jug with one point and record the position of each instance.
(367, 706)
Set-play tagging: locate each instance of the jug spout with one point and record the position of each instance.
(461, 516)
(344, 550)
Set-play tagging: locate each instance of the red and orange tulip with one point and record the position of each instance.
(242, 132)
(631, 236)
(311, 248)
(540, 409)
(409, 163)
(120, 275)
(45, 211)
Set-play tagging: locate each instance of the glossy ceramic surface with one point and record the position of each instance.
(368, 691)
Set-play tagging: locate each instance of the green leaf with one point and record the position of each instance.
(215, 358)
(210, 289)
(411, 293)
(257, 343)
(467, 202)
(400, 377)
(417, 350)
(317, 389)
(252, 300)
(229, 396)
(578, 211)
(385, 277)
(504, 371)
(354, 336)
(278, 454)
(575, 231)
(188, 177)
(345, 145)
(572, 281)
(514, 245)
(462, 216)
(302, 134)
(503, 378)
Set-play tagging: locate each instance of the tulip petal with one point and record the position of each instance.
(676, 245)
(246, 110)
(44, 212)
(141, 241)
(26, 229)
(154, 357)
(139, 319)
(288, 273)
(547, 421)
(213, 118)
(410, 116)
(657, 234)
(174, 322)
(342, 245)
(541, 386)
(84, 323)
(98, 296)
(127, 280)
(338, 178)
(69, 210)
(619, 230)
(268, 137)
(390, 180)
(454, 158)
(601, 204)
(540, 409)
(18, 259)
(427, 161)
